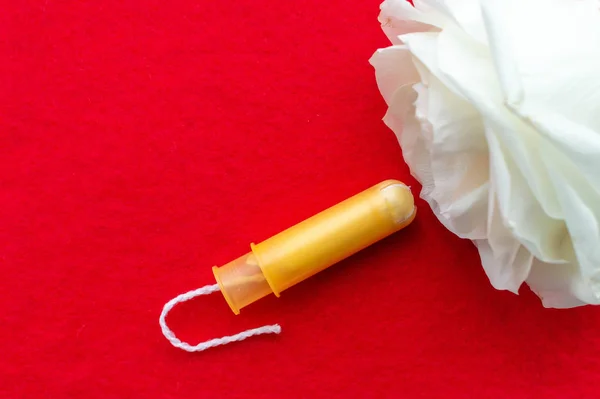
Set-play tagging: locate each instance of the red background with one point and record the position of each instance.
(143, 142)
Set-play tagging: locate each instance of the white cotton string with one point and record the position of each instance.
(176, 342)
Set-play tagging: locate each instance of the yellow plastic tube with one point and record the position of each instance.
(316, 243)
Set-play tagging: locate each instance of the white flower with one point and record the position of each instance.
(496, 104)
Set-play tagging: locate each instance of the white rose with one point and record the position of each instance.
(496, 105)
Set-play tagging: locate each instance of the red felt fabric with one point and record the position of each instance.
(142, 143)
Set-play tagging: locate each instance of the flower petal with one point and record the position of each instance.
(559, 286)
(393, 68)
(398, 17)
(497, 17)
(401, 119)
(523, 215)
(561, 46)
(508, 265)
(473, 75)
(581, 205)
(459, 161)
(466, 14)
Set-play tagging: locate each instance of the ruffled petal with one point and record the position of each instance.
(581, 205)
(466, 15)
(560, 286)
(459, 162)
(537, 66)
(409, 133)
(398, 17)
(393, 68)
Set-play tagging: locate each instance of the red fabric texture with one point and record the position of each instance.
(142, 143)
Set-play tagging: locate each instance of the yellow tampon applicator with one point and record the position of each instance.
(301, 251)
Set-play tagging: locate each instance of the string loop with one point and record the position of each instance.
(211, 343)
